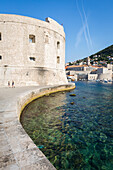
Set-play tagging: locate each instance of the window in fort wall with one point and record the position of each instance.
(58, 45)
(0, 57)
(58, 60)
(32, 38)
(0, 36)
(32, 58)
(47, 39)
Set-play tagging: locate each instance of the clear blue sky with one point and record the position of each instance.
(88, 24)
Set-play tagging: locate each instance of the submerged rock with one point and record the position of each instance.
(63, 92)
(52, 95)
(72, 94)
(72, 103)
(46, 95)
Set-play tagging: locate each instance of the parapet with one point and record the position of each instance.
(53, 25)
(53, 22)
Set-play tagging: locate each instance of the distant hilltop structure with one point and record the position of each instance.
(88, 61)
(32, 52)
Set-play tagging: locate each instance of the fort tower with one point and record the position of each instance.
(32, 52)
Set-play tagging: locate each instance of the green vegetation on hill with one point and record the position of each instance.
(102, 57)
(104, 54)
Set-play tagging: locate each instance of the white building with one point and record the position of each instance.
(91, 72)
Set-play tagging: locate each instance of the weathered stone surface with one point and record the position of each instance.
(42, 164)
(7, 160)
(18, 51)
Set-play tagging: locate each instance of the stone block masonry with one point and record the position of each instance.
(32, 52)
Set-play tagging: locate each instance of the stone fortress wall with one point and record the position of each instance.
(32, 52)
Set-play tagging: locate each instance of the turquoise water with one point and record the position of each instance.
(74, 132)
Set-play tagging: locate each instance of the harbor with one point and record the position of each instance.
(74, 129)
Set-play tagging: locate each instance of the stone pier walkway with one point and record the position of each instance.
(17, 150)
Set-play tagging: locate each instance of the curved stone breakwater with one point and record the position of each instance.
(74, 132)
(17, 150)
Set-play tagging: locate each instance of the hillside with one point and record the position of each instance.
(104, 55)
(105, 52)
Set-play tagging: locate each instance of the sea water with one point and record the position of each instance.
(74, 132)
